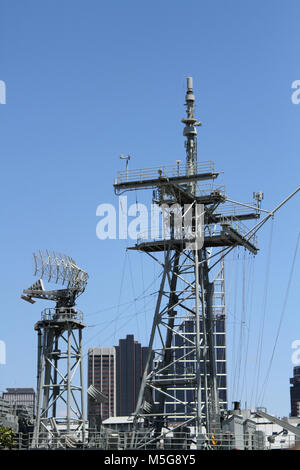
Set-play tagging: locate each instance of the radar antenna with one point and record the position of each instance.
(60, 412)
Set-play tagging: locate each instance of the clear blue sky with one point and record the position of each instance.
(89, 80)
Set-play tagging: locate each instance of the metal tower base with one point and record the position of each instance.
(60, 393)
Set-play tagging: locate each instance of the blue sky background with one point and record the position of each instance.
(87, 81)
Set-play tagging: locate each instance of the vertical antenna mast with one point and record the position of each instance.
(181, 388)
(190, 132)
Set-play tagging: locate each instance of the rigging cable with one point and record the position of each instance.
(234, 351)
(227, 300)
(143, 284)
(119, 314)
(263, 318)
(249, 302)
(280, 321)
(242, 322)
(120, 327)
(133, 291)
(126, 304)
(121, 287)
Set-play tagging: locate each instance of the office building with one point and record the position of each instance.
(102, 374)
(185, 362)
(295, 392)
(130, 364)
(117, 373)
(182, 399)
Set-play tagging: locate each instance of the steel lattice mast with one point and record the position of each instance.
(60, 389)
(179, 384)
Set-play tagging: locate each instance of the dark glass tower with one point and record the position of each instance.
(187, 363)
(130, 364)
(295, 392)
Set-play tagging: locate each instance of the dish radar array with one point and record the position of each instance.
(60, 382)
(200, 225)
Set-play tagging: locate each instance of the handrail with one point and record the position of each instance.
(109, 439)
(65, 313)
(142, 174)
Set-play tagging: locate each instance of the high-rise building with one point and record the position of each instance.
(102, 374)
(295, 392)
(21, 397)
(130, 363)
(181, 399)
(184, 397)
(117, 373)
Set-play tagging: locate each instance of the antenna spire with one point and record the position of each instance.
(190, 132)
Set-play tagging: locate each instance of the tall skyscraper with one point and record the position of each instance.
(187, 362)
(130, 363)
(295, 392)
(181, 400)
(117, 373)
(102, 374)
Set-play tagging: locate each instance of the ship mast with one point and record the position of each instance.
(179, 389)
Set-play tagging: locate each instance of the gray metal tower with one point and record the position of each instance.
(199, 228)
(60, 391)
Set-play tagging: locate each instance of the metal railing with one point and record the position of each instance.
(168, 171)
(142, 440)
(229, 209)
(204, 189)
(63, 313)
(242, 229)
(164, 232)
